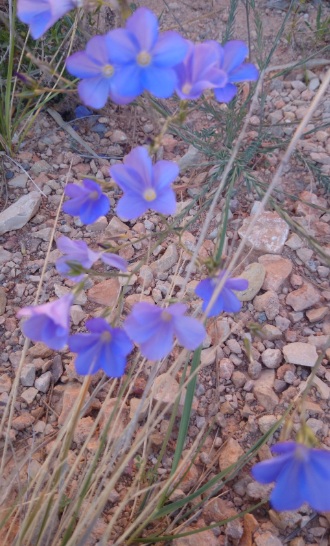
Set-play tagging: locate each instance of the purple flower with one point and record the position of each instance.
(97, 71)
(199, 70)
(114, 261)
(145, 57)
(104, 348)
(302, 474)
(232, 56)
(226, 301)
(42, 14)
(74, 251)
(49, 322)
(154, 328)
(145, 186)
(87, 201)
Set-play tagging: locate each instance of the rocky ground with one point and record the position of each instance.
(288, 295)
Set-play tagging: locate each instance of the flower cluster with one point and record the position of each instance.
(125, 62)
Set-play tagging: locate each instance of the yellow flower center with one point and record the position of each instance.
(149, 194)
(143, 58)
(186, 88)
(108, 70)
(94, 195)
(106, 337)
(166, 316)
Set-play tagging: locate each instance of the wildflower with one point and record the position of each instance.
(95, 66)
(87, 201)
(104, 348)
(199, 70)
(48, 322)
(226, 301)
(144, 185)
(114, 261)
(232, 55)
(301, 473)
(145, 57)
(154, 328)
(42, 14)
(74, 252)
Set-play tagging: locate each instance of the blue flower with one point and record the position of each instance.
(199, 70)
(145, 186)
(145, 57)
(48, 322)
(87, 201)
(104, 348)
(42, 14)
(302, 474)
(232, 56)
(226, 301)
(154, 328)
(114, 261)
(95, 66)
(74, 251)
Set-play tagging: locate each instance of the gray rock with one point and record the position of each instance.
(277, 270)
(18, 181)
(165, 262)
(29, 395)
(5, 256)
(28, 375)
(56, 368)
(269, 303)
(255, 275)
(191, 158)
(43, 382)
(19, 213)
(302, 354)
(272, 358)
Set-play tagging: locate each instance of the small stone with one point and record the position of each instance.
(5, 383)
(82, 430)
(323, 389)
(314, 315)
(230, 453)
(208, 356)
(303, 298)
(43, 382)
(56, 368)
(191, 158)
(204, 537)
(105, 293)
(40, 350)
(18, 181)
(70, 396)
(238, 379)
(165, 390)
(167, 260)
(255, 275)
(234, 346)
(44, 234)
(219, 331)
(225, 368)
(294, 242)
(28, 375)
(146, 276)
(118, 137)
(267, 539)
(29, 395)
(116, 227)
(271, 333)
(304, 254)
(269, 303)
(254, 369)
(272, 358)
(257, 491)
(268, 234)
(77, 314)
(19, 213)
(299, 353)
(23, 421)
(266, 422)
(318, 342)
(277, 270)
(143, 412)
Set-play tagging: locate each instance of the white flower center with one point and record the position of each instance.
(186, 88)
(108, 70)
(143, 58)
(106, 337)
(149, 194)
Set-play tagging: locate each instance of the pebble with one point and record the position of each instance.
(277, 270)
(303, 354)
(272, 358)
(255, 275)
(167, 260)
(225, 368)
(165, 390)
(29, 395)
(43, 382)
(269, 303)
(18, 214)
(230, 453)
(315, 315)
(23, 421)
(3, 300)
(105, 293)
(28, 375)
(294, 242)
(268, 234)
(303, 298)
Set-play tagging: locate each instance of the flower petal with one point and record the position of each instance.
(131, 206)
(122, 49)
(189, 331)
(165, 202)
(160, 82)
(235, 52)
(225, 94)
(246, 72)
(94, 92)
(165, 172)
(114, 261)
(143, 24)
(160, 344)
(170, 49)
